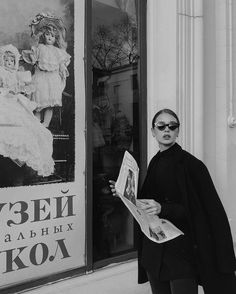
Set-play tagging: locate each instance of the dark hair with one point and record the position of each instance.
(165, 110)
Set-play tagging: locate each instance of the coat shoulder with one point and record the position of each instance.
(191, 161)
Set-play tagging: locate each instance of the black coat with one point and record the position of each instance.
(211, 238)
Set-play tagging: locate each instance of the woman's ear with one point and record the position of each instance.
(153, 133)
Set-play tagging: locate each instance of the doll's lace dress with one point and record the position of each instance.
(50, 74)
(23, 137)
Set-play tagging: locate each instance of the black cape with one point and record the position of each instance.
(211, 238)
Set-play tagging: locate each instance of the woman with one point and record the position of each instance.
(178, 187)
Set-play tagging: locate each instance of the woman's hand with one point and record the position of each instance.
(112, 186)
(150, 206)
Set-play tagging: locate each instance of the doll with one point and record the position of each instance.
(50, 61)
(12, 80)
(23, 138)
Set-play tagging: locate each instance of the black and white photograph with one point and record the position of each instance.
(157, 233)
(118, 146)
(129, 191)
(36, 92)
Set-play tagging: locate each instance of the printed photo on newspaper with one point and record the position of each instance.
(156, 229)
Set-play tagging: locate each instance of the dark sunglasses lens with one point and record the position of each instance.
(173, 127)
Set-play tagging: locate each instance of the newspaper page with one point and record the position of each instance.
(156, 229)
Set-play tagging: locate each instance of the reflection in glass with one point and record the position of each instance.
(115, 108)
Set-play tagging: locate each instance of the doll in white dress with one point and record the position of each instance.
(23, 138)
(50, 61)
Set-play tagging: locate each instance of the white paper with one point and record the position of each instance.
(156, 229)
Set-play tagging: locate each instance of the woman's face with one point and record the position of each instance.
(163, 134)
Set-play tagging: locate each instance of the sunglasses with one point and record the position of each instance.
(161, 126)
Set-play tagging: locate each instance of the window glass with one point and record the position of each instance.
(115, 109)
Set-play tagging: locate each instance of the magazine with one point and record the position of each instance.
(156, 229)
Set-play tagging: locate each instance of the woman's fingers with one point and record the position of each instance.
(112, 182)
(150, 206)
(112, 187)
(153, 210)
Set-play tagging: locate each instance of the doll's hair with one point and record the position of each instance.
(59, 40)
(165, 110)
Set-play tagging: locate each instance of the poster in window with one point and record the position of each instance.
(41, 127)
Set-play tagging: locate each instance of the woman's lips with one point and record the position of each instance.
(166, 136)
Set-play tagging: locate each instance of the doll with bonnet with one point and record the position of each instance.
(9, 60)
(50, 61)
(23, 138)
(13, 81)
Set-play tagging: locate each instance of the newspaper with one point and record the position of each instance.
(156, 229)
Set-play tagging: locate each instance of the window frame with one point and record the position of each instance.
(142, 82)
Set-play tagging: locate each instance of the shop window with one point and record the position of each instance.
(115, 107)
(134, 79)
